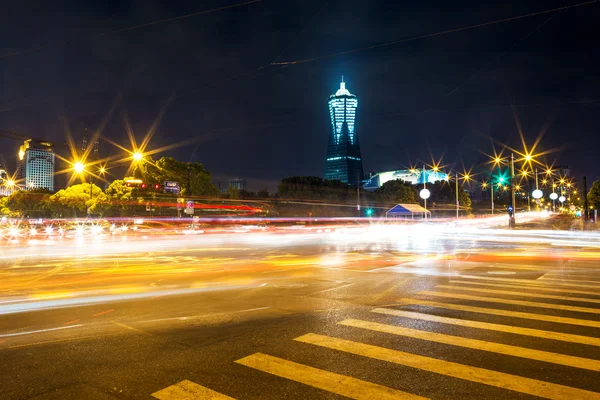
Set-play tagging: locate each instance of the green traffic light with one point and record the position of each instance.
(369, 211)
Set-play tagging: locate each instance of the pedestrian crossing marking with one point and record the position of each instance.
(564, 337)
(474, 374)
(571, 274)
(514, 351)
(514, 302)
(591, 283)
(504, 313)
(187, 390)
(533, 283)
(545, 289)
(319, 378)
(526, 294)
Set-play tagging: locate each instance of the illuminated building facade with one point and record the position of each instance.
(414, 176)
(6, 185)
(343, 161)
(35, 165)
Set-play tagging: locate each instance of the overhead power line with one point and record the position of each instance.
(129, 28)
(454, 30)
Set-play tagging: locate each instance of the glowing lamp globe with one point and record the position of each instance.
(425, 193)
(562, 199)
(537, 194)
(553, 196)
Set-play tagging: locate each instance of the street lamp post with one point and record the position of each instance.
(511, 221)
(492, 193)
(457, 203)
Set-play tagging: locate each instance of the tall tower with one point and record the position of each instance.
(343, 161)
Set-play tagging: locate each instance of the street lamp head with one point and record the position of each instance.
(484, 185)
(435, 168)
(528, 157)
(544, 181)
(549, 171)
(518, 187)
(10, 183)
(497, 160)
(137, 156)
(78, 167)
(102, 170)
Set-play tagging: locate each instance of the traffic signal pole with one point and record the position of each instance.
(511, 218)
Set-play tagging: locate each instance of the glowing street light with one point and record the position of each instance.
(10, 183)
(78, 167)
(137, 156)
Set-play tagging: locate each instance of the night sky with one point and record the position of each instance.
(445, 95)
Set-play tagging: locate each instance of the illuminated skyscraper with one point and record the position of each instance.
(35, 165)
(343, 162)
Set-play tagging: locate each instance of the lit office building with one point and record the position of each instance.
(413, 176)
(35, 165)
(343, 161)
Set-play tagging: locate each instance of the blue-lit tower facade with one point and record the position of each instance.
(343, 161)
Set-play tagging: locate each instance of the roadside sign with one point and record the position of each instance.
(180, 203)
(171, 187)
(189, 207)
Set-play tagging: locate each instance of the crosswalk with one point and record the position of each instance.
(471, 330)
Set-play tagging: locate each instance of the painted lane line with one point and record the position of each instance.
(335, 383)
(130, 328)
(39, 331)
(492, 347)
(512, 302)
(564, 337)
(103, 312)
(330, 289)
(504, 313)
(187, 390)
(522, 294)
(593, 283)
(16, 346)
(185, 318)
(474, 374)
(544, 289)
(528, 282)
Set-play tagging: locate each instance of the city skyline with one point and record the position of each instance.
(447, 95)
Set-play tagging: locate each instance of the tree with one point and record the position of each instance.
(233, 193)
(315, 188)
(593, 195)
(27, 203)
(170, 169)
(445, 193)
(397, 191)
(76, 200)
(263, 194)
(123, 200)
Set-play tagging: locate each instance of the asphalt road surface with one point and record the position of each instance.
(365, 313)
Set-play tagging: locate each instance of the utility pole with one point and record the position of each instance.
(511, 221)
(492, 193)
(585, 201)
(425, 187)
(457, 203)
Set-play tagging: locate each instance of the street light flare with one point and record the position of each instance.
(137, 156)
(78, 167)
